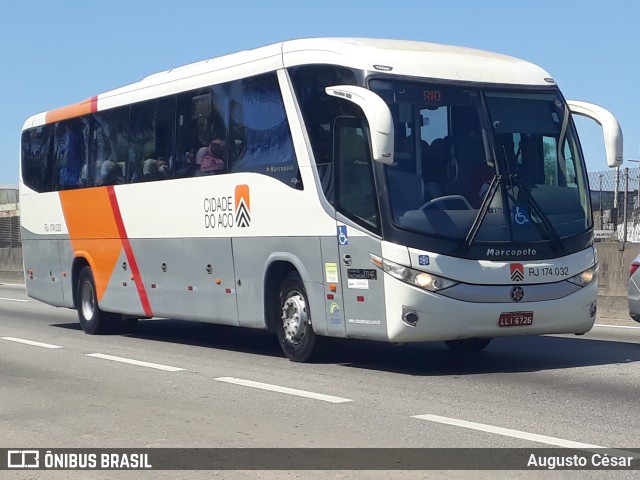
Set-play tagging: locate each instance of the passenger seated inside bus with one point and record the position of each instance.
(110, 172)
(477, 170)
(443, 177)
(434, 168)
(185, 166)
(155, 169)
(209, 159)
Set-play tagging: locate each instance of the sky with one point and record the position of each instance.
(57, 53)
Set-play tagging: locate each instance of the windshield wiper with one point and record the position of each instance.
(545, 225)
(484, 209)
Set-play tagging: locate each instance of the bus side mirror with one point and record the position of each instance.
(378, 116)
(610, 128)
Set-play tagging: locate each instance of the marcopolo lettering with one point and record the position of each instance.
(511, 252)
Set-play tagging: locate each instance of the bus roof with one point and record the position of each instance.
(422, 59)
(396, 57)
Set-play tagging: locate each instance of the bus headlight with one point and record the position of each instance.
(427, 281)
(585, 278)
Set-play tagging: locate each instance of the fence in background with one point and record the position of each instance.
(615, 199)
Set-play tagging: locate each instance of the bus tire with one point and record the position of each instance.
(468, 344)
(293, 326)
(92, 320)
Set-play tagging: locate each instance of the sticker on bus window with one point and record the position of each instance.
(521, 215)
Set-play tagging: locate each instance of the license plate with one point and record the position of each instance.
(515, 319)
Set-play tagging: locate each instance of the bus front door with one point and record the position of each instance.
(362, 284)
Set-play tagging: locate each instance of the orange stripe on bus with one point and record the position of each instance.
(93, 229)
(89, 105)
(242, 193)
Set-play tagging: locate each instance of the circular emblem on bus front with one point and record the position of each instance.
(517, 294)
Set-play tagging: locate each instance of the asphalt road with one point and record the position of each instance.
(189, 385)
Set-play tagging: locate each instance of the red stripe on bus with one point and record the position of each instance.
(126, 244)
(94, 104)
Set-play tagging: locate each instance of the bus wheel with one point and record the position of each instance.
(468, 344)
(92, 320)
(294, 330)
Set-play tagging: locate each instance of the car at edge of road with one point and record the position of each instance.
(633, 289)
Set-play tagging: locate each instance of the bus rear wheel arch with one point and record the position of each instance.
(293, 325)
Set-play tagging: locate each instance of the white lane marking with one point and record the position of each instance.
(615, 326)
(13, 299)
(533, 437)
(289, 391)
(30, 342)
(157, 366)
(507, 432)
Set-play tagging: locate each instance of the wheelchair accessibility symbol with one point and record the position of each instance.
(343, 238)
(521, 215)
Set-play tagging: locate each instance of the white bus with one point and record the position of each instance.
(376, 189)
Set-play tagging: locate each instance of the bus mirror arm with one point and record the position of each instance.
(610, 128)
(378, 116)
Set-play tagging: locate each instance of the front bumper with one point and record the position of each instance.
(443, 318)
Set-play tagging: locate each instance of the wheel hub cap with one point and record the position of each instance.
(87, 303)
(294, 318)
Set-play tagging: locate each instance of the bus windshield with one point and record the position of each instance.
(484, 166)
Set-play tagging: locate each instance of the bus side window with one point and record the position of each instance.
(260, 131)
(151, 142)
(70, 152)
(109, 148)
(202, 132)
(355, 190)
(321, 143)
(37, 161)
(319, 111)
